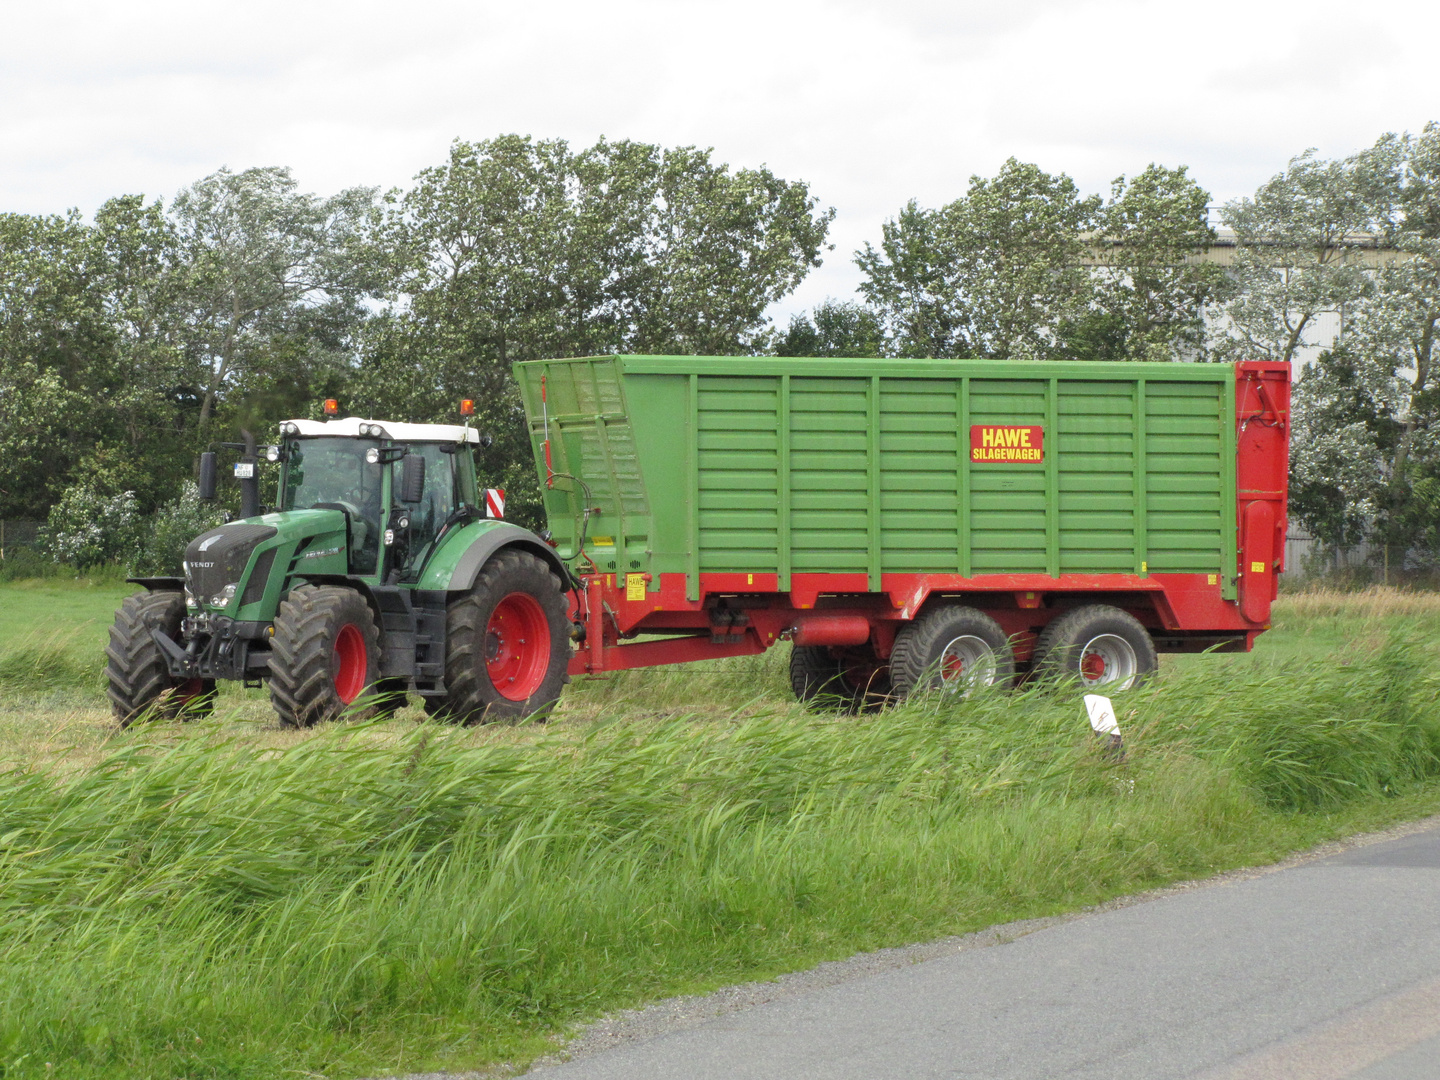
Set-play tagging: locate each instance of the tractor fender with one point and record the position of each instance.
(474, 545)
(159, 584)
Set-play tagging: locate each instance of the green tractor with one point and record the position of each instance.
(377, 573)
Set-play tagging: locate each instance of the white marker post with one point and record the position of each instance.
(1102, 719)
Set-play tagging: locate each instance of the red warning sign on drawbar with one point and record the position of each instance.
(990, 443)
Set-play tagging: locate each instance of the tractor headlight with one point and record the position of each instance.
(224, 596)
(372, 456)
(289, 429)
(272, 454)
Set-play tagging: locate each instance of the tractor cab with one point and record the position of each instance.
(398, 485)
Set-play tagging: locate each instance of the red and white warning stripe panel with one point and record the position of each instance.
(494, 502)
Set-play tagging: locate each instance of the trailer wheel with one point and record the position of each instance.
(324, 656)
(136, 672)
(956, 650)
(1098, 645)
(850, 681)
(507, 643)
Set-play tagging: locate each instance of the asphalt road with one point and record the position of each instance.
(1325, 969)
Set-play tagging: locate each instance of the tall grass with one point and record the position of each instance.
(366, 901)
(1372, 602)
(47, 664)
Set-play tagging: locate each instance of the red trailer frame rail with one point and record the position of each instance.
(742, 614)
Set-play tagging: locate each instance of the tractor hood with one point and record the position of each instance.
(231, 566)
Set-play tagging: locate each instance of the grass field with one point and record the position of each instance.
(224, 899)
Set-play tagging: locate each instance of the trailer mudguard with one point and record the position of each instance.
(462, 554)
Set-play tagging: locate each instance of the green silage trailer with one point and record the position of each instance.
(911, 523)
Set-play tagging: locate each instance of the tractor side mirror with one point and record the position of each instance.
(207, 475)
(486, 441)
(412, 478)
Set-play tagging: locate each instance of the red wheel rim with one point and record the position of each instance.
(517, 646)
(350, 663)
(1092, 667)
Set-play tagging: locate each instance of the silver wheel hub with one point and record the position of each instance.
(966, 662)
(1108, 660)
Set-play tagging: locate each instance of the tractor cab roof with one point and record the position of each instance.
(356, 428)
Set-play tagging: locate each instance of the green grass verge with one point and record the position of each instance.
(373, 900)
(53, 631)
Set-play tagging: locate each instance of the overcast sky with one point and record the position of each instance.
(871, 103)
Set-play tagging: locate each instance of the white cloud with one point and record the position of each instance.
(873, 103)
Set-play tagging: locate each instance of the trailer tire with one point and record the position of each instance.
(952, 649)
(1098, 646)
(137, 676)
(507, 643)
(819, 677)
(324, 656)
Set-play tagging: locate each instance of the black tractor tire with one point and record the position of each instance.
(1098, 646)
(325, 655)
(507, 644)
(138, 678)
(389, 696)
(954, 649)
(851, 681)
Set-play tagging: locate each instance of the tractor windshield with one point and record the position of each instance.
(332, 473)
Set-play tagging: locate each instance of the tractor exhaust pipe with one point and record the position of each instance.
(249, 478)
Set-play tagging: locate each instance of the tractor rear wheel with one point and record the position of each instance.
(953, 649)
(856, 679)
(139, 678)
(1098, 645)
(389, 696)
(324, 656)
(507, 643)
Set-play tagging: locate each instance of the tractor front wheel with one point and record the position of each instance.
(138, 676)
(507, 643)
(324, 656)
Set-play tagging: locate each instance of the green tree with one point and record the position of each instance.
(517, 249)
(993, 274)
(835, 328)
(1299, 244)
(52, 331)
(262, 264)
(1344, 430)
(1394, 327)
(1148, 291)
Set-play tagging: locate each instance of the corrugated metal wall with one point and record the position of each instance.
(921, 432)
(800, 467)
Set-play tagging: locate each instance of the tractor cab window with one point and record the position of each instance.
(436, 503)
(332, 474)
